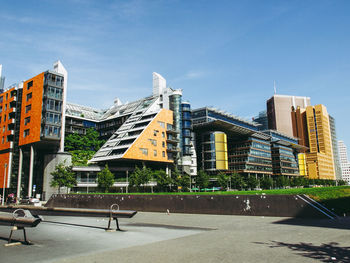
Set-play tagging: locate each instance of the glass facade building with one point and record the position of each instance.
(186, 128)
(250, 156)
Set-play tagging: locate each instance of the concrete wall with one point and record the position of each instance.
(255, 205)
(50, 162)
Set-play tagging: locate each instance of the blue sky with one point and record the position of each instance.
(221, 53)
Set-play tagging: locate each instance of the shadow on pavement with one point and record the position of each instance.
(340, 223)
(330, 252)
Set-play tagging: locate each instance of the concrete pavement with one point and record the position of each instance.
(158, 237)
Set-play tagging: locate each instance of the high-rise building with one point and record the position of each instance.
(32, 136)
(344, 161)
(319, 158)
(315, 130)
(279, 108)
(337, 166)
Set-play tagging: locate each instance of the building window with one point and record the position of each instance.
(26, 133)
(144, 151)
(26, 120)
(163, 135)
(155, 132)
(0, 108)
(29, 96)
(154, 142)
(163, 144)
(2, 141)
(28, 108)
(155, 152)
(4, 117)
(162, 124)
(30, 84)
(5, 107)
(163, 153)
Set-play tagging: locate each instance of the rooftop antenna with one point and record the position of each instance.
(274, 87)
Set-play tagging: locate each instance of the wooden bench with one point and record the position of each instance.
(19, 220)
(112, 214)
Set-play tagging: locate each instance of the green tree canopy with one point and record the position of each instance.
(222, 179)
(63, 176)
(251, 182)
(202, 179)
(237, 181)
(83, 146)
(163, 180)
(181, 181)
(140, 177)
(105, 179)
(88, 142)
(266, 183)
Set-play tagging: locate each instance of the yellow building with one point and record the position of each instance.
(319, 159)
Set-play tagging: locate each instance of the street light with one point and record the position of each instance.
(3, 187)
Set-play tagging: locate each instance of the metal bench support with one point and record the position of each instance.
(24, 235)
(111, 218)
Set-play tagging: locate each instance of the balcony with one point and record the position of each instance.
(172, 131)
(173, 150)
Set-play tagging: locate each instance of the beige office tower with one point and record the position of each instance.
(319, 159)
(279, 108)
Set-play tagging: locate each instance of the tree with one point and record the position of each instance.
(252, 182)
(222, 179)
(63, 176)
(105, 179)
(202, 179)
(266, 183)
(82, 146)
(282, 181)
(342, 182)
(237, 181)
(140, 177)
(163, 180)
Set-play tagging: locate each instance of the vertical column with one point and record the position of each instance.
(19, 179)
(31, 168)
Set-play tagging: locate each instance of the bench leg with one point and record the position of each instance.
(25, 235)
(10, 237)
(116, 221)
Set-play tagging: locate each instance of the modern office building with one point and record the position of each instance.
(229, 144)
(284, 152)
(32, 136)
(279, 108)
(312, 127)
(155, 131)
(320, 157)
(344, 161)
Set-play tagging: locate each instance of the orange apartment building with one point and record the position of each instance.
(31, 134)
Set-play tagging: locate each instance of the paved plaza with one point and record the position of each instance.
(158, 237)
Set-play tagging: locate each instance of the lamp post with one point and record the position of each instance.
(3, 187)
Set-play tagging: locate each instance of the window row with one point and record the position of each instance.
(54, 105)
(52, 131)
(53, 118)
(144, 151)
(53, 92)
